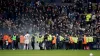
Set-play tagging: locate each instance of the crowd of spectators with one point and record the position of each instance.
(37, 16)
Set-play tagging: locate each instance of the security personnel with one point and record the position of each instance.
(71, 42)
(22, 41)
(17, 41)
(84, 42)
(49, 42)
(75, 42)
(40, 41)
(14, 41)
(5, 41)
(10, 42)
(45, 41)
(33, 41)
(1, 43)
(57, 41)
(80, 40)
(67, 42)
(90, 39)
(53, 42)
(87, 45)
(61, 42)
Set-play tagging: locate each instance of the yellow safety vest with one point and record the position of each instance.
(75, 39)
(90, 39)
(61, 38)
(87, 39)
(49, 38)
(40, 39)
(88, 16)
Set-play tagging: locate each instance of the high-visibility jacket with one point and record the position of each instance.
(71, 39)
(84, 40)
(90, 39)
(54, 40)
(5, 37)
(75, 39)
(87, 39)
(9, 40)
(88, 16)
(61, 38)
(22, 39)
(13, 37)
(36, 38)
(49, 38)
(40, 39)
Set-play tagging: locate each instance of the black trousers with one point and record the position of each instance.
(32, 45)
(53, 46)
(9, 45)
(67, 45)
(85, 46)
(71, 45)
(40, 45)
(90, 45)
(61, 45)
(58, 44)
(17, 47)
(75, 46)
(1, 44)
(80, 45)
(14, 44)
(48, 45)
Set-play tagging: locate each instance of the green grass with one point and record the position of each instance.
(49, 52)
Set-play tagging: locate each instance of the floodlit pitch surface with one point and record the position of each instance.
(49, 52)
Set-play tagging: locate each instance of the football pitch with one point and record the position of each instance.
(49, 52)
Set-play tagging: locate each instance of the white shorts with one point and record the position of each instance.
(26, 41)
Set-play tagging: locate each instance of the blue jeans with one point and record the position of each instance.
(21, 45)
(14, 44)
